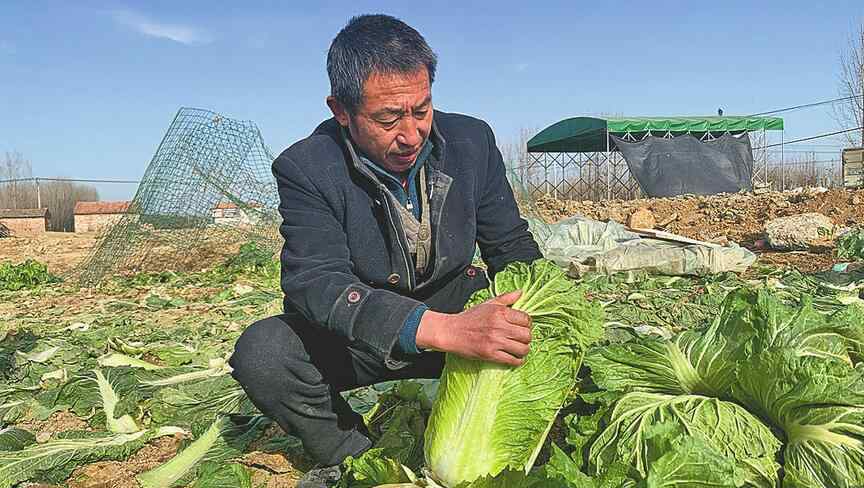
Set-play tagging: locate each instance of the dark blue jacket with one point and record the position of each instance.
(345, 263)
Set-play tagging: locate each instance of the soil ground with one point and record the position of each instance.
(738, 217)
(61, 251)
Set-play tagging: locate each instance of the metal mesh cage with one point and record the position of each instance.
(209, 184)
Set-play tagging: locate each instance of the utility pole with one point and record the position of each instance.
(38, 194)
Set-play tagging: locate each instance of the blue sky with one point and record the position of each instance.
(88, 88)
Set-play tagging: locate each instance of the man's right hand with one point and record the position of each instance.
(490, 331)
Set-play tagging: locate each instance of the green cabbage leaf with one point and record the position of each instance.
(487, 417)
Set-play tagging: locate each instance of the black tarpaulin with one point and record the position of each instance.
(669, 167)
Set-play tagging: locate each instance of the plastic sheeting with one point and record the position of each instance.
(584, 245)
(668, 167)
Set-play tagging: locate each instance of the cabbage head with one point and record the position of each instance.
(487, 417)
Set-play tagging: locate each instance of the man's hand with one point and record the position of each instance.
(490, 331)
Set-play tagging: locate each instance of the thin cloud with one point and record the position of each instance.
(184, 34)
(521, 67)
(6, 47)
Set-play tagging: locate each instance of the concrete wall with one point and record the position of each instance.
(23, 226)
(95, 223)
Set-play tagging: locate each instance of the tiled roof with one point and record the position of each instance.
(23, 213)
(97, 208)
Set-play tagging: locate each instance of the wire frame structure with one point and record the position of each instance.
(208, 185)
(604, 175)
(580, 176)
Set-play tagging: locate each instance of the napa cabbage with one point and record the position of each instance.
(765, 384)
(488, 418)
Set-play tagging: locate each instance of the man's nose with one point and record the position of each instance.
(409, 133)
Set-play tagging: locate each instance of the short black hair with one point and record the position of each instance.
(374, 44)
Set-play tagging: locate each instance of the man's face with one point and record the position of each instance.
(393, 120)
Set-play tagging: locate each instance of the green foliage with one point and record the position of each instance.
(15, 439)
(850, 246)
(195, 405)
(818, 405)
(397, 423)
(679, 460)
(29, 274)
(724, 426)
(174, 221)
(251, 258)
(220, 475)
(225, 440)
(113, 394)
(374, 468)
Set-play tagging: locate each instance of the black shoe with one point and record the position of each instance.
(321, 478)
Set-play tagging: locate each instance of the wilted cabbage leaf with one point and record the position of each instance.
(15, 439)
(15, 402)
(112, 395)
(489, 417)
(221, 475)
(56, 459)
(374, 468)
(198, 404)
(224, 440)
(397, 423)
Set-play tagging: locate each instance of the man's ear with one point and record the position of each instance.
(339, 111)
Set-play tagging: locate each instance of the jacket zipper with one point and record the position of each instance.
(437, 269)
(386, 201)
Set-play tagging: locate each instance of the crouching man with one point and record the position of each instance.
(382, 207)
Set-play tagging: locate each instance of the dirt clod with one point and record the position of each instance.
(642, 218)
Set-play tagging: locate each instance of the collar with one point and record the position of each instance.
(437, 151)
(409, 174)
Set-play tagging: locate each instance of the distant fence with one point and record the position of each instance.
(605, 176)
(794, 174)
(576, 176)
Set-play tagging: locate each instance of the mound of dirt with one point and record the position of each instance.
(737, 217)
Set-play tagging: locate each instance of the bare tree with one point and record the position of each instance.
(60, 197)
(850, 113)
(18, 189)
(15, 192)
(516, 159)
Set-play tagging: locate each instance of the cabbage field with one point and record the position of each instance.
(633, 380)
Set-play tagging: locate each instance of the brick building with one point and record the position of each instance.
(96, 216)
(227, 213)
(23, 221)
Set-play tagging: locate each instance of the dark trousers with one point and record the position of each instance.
(293, 372)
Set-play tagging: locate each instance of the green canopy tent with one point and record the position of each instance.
(577, 157)
(590, 134)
